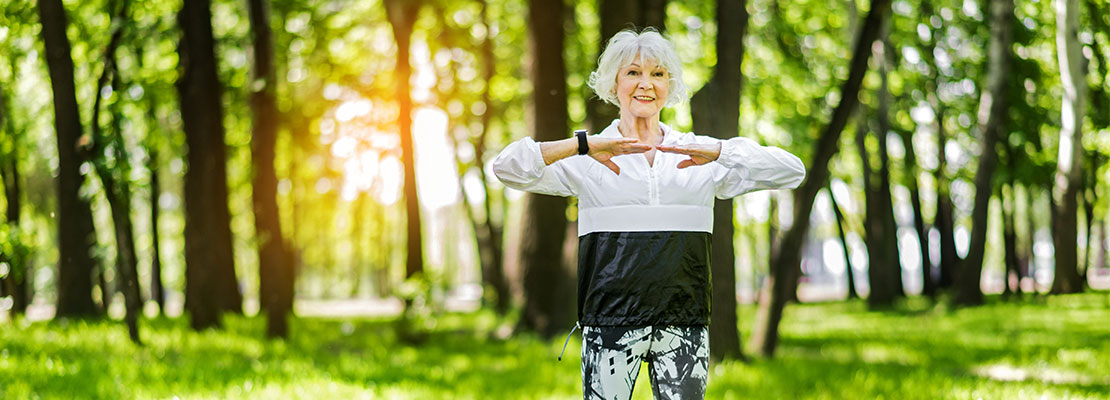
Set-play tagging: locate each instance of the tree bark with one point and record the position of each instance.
(884, 270)
(788, 255)
(16, 282)
(275, 272)
(993, 106)
(157, 289)
(852, 294)
(617, 15)
(115, 178)
(548, 284)
(76, 234)
(1009, 237)
(1102, 245)
(402, 16)
(943, 219)
(210, 283)
(493, 262)
(715, 109)
(1069, 166)
(928, 286)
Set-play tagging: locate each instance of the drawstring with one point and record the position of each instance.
(567, 341)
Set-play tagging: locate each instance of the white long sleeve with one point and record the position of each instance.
(520, 166)
(752, 167)
(650, 197)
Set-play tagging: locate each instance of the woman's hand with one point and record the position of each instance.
(700, 154)
(604, 149)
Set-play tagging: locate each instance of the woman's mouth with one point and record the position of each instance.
(644, 99)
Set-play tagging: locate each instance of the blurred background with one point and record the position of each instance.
(318, 172)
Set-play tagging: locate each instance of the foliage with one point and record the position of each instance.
(1049, 347)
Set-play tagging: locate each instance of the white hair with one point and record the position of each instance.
(626, 46)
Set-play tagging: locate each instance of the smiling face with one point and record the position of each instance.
(642, 88)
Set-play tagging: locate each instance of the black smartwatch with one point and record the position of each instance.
(583, 146)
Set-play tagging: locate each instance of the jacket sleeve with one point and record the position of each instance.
(520, 166)
(749, 167)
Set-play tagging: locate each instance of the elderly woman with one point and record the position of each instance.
(645, 216)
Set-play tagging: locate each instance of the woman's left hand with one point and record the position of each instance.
(700, 154)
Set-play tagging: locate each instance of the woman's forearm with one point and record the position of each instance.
(558, 149)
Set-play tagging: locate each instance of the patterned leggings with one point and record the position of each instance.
(677, 356)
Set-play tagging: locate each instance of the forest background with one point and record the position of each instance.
(331, 159)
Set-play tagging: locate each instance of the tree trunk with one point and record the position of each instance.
(157, 289)
(1030, 265)
(788, 255)
(928, 286)
(715, 109)
(993, 106)
(402, 16)
(617, 15)
(884, 269)
(852, 294)
(493, 270)
(210, 283)
(16, 282)
(1069, 166)
(548, 285)
(1102, 245)
(76, 235)
(1088, 194)
(275, 273)
(115, 179)
(1009, 237)
(943, 219)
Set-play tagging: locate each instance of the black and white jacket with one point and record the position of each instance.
(644, 235)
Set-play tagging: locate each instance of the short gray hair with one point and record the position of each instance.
(623, 49)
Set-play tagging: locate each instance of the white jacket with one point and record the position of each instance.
(657, 197)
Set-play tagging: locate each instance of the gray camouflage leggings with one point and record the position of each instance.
(677, 357)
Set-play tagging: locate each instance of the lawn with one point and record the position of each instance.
(1055, 347)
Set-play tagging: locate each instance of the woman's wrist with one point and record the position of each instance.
(556, 150)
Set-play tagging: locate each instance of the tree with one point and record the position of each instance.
(1069, 168)
(884, 270)
(993, 107)
(547, 283)
(150, 146)
(786, 260)
(928, 286)
(274, 267)
(115, 175)
(402, 16)
(210, 284)
(852, 294)
(715, 109)
(15, 282)
(76, 235)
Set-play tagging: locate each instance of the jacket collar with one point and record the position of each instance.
(669, 135)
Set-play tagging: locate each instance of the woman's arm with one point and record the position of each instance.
(749, 166)
(533, 166)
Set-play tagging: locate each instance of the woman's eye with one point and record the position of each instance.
(659, 74)
(633, 72)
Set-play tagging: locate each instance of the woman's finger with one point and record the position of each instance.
(687, 163)
(612, 166)
(677, 150)
(635, 148)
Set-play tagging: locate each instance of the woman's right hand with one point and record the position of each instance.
(604, 149)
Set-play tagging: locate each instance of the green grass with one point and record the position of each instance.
(1057, 347)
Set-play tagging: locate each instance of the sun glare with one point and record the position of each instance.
(369, 158)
